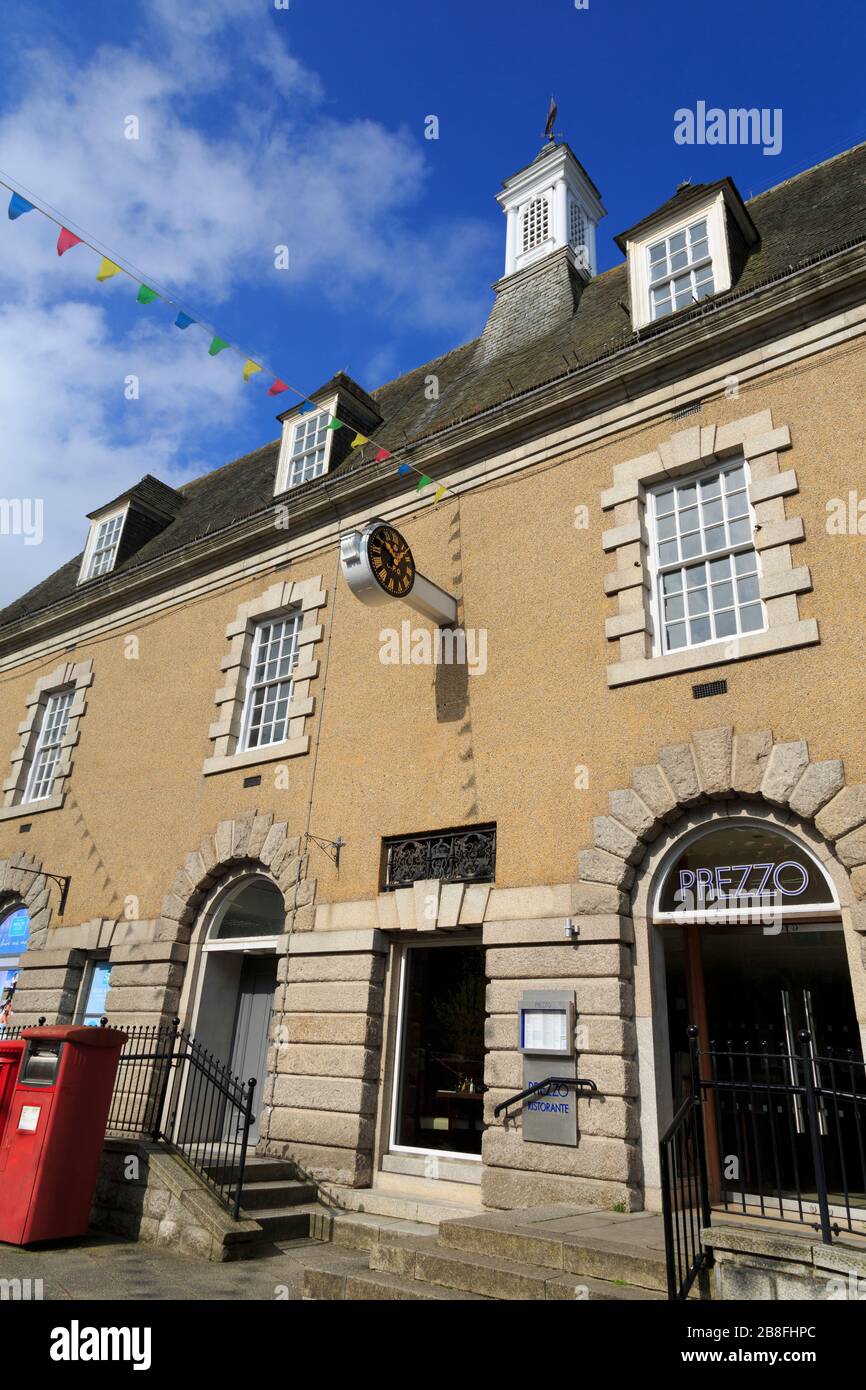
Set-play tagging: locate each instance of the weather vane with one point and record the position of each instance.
(549, 132)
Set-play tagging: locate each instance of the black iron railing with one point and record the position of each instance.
(453, 856)
(685, 1198)
(779, 1135)
(790, 1134)
(171, 1089)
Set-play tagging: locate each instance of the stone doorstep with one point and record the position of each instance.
(600, 1247)
(397, 1205)
(788, 1251)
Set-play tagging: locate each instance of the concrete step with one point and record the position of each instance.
(336, 1282)
(608, 1253)
(361, 1230)
(489, 1277)
(277, 1194)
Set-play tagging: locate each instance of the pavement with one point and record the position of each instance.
(108, 1267)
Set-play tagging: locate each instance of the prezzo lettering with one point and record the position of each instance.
(754, 881)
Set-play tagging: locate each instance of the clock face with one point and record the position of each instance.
(391, 561)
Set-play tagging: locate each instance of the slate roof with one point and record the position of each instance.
(806, 217)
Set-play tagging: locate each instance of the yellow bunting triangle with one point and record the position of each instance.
(440, 492)
(107, 269)
(250, 369)
(359, 440)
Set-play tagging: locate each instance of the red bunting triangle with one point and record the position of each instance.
(277, 387)
(66, 240)
(382, 455)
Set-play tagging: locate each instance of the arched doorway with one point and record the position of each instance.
(14, 940)
(238, 976)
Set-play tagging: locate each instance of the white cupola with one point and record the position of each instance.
(551, 204)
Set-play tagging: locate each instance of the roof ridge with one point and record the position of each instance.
(812, 168)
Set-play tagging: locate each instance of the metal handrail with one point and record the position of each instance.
(540, 1086)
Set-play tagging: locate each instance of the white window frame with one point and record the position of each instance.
(658, 570)
(52, 745)
(292, 618)
(542, 223)
(713, 212)
(92, 549)
(287, 466)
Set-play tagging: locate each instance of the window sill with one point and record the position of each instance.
(24, 809)
(779, 639)
(274, 752)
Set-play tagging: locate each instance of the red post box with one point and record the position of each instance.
(10, 1058)
(54, 1132)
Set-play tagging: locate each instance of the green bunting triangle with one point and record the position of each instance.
(423, 482)
(146, 295)
(334, 424)
(216, 346)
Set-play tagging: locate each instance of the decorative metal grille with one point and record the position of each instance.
(454, 856)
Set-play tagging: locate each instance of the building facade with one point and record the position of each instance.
(344, 844)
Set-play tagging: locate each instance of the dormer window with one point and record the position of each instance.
(309, 450)
(100, 555)
(536, 223)
(680, 269)
(694, 245)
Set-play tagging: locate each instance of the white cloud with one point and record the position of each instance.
(198, 203)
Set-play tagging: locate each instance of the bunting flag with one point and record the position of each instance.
(18, 206)
(67, 240)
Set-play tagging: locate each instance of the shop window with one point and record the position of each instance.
(439, 1086)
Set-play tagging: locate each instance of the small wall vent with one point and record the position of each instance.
(701, 692)
(694, 409)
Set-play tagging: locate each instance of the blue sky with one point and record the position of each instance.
(304, 126)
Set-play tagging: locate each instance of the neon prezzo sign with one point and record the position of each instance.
(731, 881)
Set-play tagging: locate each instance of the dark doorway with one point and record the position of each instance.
(751, 992)
(440, 1090)
(249, 1049)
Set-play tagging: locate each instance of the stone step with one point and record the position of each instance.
(401, 1206)
(277, 1194)
(283, 1223)
(255, 1170)
(330, 1284)
(612, 1255)
(361, 1230)
(489, 1277)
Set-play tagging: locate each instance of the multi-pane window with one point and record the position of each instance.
(705, 569)
(49, 738)
(536, 223)
(680, 270)
(98, 983)
(309, 448)
(269, 692)
(105, 545)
